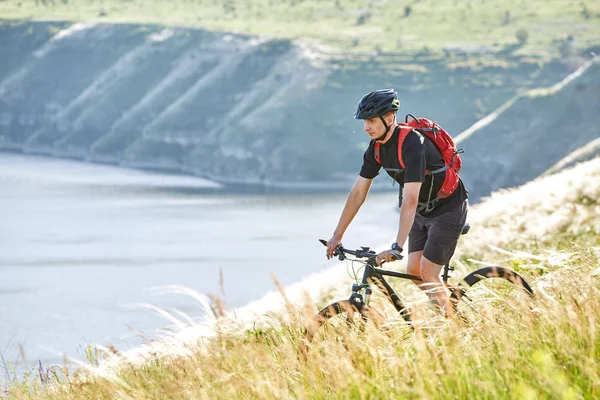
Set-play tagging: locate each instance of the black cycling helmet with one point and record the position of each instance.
(377, 104)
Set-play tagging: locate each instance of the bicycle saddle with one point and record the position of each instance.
(465, 229)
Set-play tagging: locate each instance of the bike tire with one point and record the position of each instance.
(458, 293)
(352, 314)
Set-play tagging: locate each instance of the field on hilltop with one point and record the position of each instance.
(535, 27)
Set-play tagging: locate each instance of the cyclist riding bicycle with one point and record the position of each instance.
(432, 225)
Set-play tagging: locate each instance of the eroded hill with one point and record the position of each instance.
(234, 108)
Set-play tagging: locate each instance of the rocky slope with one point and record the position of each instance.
(536, 131)
(239, 109)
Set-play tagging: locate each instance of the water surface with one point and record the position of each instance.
(80, 242)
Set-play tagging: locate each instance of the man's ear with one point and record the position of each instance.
(391, 118)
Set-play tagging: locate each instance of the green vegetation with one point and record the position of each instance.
(515, 348)
(537, 27)
(546, 348)
(510, 352)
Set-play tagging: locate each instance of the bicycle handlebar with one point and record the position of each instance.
(364, 252)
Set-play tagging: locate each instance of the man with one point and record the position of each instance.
(432, 225)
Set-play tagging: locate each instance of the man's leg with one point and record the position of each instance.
(413, 265)
(434, 286)
(417, 238)
(443, 233)
(432, 283)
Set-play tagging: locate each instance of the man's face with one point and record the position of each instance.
(375, 128)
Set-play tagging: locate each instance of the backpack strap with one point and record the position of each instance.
(429, 205)
(404, 131)
(437, 171)
(431, 202)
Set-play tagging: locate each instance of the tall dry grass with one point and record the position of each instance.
(510, 347)
(513, 347)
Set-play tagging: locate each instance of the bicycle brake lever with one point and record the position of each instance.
(339, 253)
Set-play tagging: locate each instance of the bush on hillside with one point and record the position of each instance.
(363, 17)
(565, 46)
(522, 36)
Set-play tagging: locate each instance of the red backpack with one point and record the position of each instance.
(442, 140)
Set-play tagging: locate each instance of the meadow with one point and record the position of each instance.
(530, 27)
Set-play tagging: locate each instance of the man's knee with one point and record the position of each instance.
(430, 271)
(413, 264)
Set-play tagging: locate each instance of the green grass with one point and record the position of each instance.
(510, 352)
(429, 26)
(513, 348)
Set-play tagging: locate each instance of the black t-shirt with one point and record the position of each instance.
(419, 153)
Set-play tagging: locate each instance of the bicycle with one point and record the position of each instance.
(361, 292)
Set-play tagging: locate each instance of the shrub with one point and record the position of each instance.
(585, 11)
(565, 48)
(507, 18)
(363, 17)
(522, 36)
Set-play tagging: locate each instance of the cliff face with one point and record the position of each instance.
(161, 97)
(233, 108)
(535, 132)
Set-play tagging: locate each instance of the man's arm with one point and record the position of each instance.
(413, 154)
(410, 200)
(407, 218)
(356, 198)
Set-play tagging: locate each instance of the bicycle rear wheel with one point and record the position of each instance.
(344, 315)
(488, 276)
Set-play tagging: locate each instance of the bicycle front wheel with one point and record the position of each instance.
(343, 315)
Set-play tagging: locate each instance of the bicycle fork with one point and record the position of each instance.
(372, 276)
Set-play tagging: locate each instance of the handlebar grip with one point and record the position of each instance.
(397, 256)
(339, 253)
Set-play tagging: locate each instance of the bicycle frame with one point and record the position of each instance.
(375, 275)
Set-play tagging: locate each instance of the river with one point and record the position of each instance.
(81, 246)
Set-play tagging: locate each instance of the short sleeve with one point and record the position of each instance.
(370, 168)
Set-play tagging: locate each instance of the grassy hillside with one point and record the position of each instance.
(549, 230)
(355, 25)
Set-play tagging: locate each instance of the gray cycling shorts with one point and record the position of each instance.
(438, 236)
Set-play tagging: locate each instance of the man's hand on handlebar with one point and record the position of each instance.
(332, 244)
(388, 256)
(335, 248)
